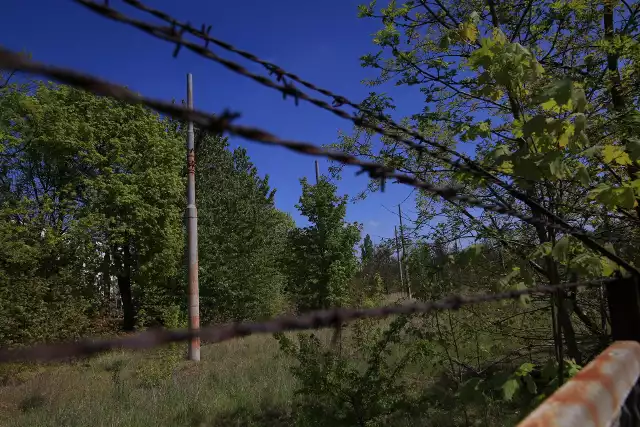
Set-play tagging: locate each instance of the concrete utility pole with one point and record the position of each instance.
(192, 233)
(404, 252)
(395, 233)
(317, 173)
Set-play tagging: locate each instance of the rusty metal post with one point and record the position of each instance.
(596, 395)
(192, 234)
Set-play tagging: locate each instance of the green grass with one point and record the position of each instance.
(240, 382)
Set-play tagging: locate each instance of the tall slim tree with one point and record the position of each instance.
(322, 258)
(366, 251)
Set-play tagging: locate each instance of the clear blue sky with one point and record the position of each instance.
(321, 41)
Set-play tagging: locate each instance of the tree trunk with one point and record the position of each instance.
(564, 318)
(106, 279)
(124, 285)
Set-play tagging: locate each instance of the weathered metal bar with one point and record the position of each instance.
(192, 233)
(595, 396)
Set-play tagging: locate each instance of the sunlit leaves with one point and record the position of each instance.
(387, 36)
(469, 32)
(509, 388)
(366, 10)
(482, 130)
(615, 154)
(563, 95)
(570, 252)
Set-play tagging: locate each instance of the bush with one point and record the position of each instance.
(366, 387)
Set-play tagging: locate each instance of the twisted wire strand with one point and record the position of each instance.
(312, 320)
(175, 33)
(223, 123)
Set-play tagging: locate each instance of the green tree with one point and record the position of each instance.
(545, 92)
(242, 236)
(102, 179)
(366, 251)
(322, 259)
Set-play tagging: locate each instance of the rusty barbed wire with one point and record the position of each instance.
(175, 32)
(175, 35)
(223, 123)
(312, 320)
(338, 100)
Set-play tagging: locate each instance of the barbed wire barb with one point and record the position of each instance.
(223, 122)
(287, 89)
(312, 320)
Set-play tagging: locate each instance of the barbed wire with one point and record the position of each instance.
(175, 35)
(223, 123)
(312, 320)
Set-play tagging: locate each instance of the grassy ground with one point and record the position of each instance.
(241, 382)
(244, 382)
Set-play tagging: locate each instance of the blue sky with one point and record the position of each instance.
(320, 41)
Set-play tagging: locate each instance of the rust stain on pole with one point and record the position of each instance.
(595, 396)
(192, 233)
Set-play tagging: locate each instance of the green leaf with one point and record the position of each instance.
(525, 369)
(531, 384)
(444, 42)
(560, 91)
(578, 99)
(509, 388)
(525, 300)
(627, 197)
(541, 251)
(469, 32)
(614, 196)
(504, 281)
(608, 267)
(536, 126)
(572, 368)
(587, 264)
(592, 151)
(580, 122)
(583, 175)
(633, 147)
(558, 168)
(615, 154)
(560, 251)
